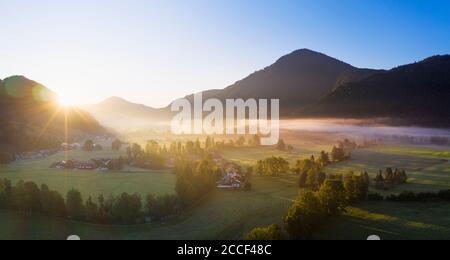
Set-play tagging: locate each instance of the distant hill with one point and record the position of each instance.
(312, 84)
(419, 91)
(297, 79)
(118, 113)
(32, 118)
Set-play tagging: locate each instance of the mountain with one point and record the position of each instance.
(312, 84)
(297, 79)
(116, 112)
(32, 118)
(419, 91)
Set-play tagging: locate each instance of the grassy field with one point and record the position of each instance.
(392, 221)
(89, 183)
(249, 156)
(428, 168)
(230, 215)
(221, 215)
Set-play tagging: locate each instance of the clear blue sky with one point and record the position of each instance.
(154, 51)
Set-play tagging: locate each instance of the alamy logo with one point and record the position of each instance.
(237, 116)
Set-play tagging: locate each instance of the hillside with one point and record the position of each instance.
(32, 118)
(116, 112)
(297, 79)
(311, 84)
(418, 91)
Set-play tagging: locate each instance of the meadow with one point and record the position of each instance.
(428, 168)
(90, 183)
(231, 214)
(220, 215)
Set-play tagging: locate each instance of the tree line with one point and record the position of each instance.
(388, 179)
(310, 170)
(410, 196)
(195, 178)
(272, 166)
(29, 198)
(314, 207)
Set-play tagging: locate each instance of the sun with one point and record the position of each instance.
(66, 101)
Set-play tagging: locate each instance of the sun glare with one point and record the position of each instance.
(66, 101)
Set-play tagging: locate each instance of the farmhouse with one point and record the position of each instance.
(71, 164)
(90, 165)
(230, 181)
(93, 164)
(68, 147)
(232, 178)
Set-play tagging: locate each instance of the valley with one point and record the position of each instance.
(232, 214)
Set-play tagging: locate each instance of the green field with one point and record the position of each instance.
(221, 215)
(428, 169)
(231, 214)
(392, 221)
(90, 183)
(249, 156)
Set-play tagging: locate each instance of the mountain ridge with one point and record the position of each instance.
(418, 91)
(304, 81)
(32, 118)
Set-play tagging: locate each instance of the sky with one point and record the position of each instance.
(152, 52)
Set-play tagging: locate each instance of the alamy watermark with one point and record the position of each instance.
(235, 117)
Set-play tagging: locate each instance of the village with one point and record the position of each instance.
(101, 164)
(232, 178)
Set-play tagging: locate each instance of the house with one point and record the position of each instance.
(232, 180)
(68, 147)
(66, 164)
(85, 165)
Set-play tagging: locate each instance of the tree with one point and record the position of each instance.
(102, 216)
(349, 187)
(331, 197)
(126, 209)
(290, 148)
(5, 193)
(241, 141)
(324, 158)
(26, 197)
(379, 180)
(260, 167)
(151, 206)
(304, 166)
(304, 216)
(88, 145)
(75, 207)
(184, 186)
(116, 145)
(281, 145)
(338, 154)
(250, 171)
(57, 205)
(302, 179)
(208, 143)
(314, 178)
(361, 187)
(91, 211)
(270, 233)
(135, 151)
